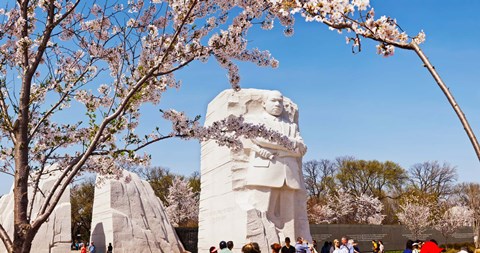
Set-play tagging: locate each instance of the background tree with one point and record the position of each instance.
(319, 176)
(433, 178)
(469, 195)
(195, 183)
(338, 208)
(379, 179)
(182, 203)
(344, 208)
(81, 200)
(452, 219)
(368, 210)
(160, 178)
(415, 215)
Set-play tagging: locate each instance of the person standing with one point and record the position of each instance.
(223, 247)
(335, 246)
(275, 248)
(83, 248)
(301, 247)
(252, 247)
(230, 245)
(109, 248)
(408, 247)
(91, 248)
(356, 249)
(346, 247)
(288, 248)
(326, 247)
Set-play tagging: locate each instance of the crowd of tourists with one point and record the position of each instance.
(300, 246)
(84, 247)
(344, 245)
(418, 246)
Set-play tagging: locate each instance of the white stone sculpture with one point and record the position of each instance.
(130, 217)
(256, 194)
(54, 236)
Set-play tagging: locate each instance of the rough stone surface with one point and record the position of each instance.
(250, 196)
(54, 235)
(131, 217)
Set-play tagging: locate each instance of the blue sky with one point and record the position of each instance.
(363, 104)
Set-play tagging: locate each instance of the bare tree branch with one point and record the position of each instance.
(5, 238)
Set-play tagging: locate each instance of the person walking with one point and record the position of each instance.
(381, 248)
(374, 246)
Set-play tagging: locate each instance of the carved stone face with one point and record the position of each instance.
(274, 103)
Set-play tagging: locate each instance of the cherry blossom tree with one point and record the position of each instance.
(345, 208)
(322, 213)
(415, 216)
(182, 203)
(75, 74)
(469, 195)
(336, 209)
(454, 218)
(368, 210)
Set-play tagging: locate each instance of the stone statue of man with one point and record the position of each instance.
(274, 176)
(256, 194)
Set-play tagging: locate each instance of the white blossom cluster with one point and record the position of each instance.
(182, 203)
(415, 215)
(352, 16)
(103, 62)
(344, 207)
(454, 218)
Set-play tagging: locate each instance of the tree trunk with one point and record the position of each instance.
(476, 234)
(450, 98)
(22, 170)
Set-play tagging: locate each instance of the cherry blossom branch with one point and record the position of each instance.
(55, 106)
(37, 182)
(51, 24)
(49, 204)
(119, 151)
(8, 173)
(4, 110)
